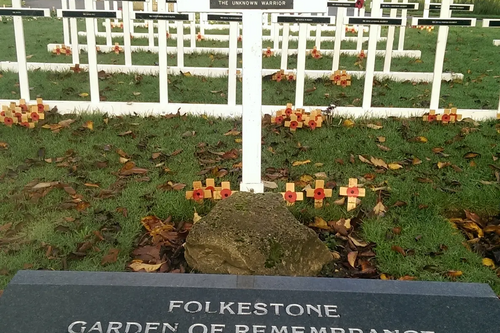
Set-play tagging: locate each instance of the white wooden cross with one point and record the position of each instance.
(252, 69)
(493, 23)
(17, 12)
(375, 21)
(444, 21)
(90, 15)
(163, 17)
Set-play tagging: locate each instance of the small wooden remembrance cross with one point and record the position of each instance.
(319, 193)
(252, 70)
(291, 196)
(352, 192)
(198, 193)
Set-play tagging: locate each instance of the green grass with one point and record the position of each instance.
(45, 236)
(38, 224)
(470, 51)
(7, 3)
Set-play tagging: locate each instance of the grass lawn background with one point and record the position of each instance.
(45, 232)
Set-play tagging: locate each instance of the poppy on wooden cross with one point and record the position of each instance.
(35, 113)
(76, 68)
(199, 37)
(117, 49)
(41, 107)
(268, 53)
(300, 114)
(293, 123)
(352, 192)
(430, 117)
(359, 4)
(210, 186)
(449, 116)
(21, 115)
(225, 191)
(341, 78)
(22, 105)
(291, 196)
(198, 193)
(315, 119)
(279, 118)
(288, 110)
(315, 53)
(319, 193)
(278, 76)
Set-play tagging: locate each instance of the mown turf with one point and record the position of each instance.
(45, 233)
(470, 51)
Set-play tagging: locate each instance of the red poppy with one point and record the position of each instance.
(278, 120)
(352, 192)
(291, 77)
(288, 112)
(290, 196)
(279, 77)
(319, 194)
(445, 118)
(41, 108)
(25, 124)
(431, 118)
(336, 78)
(359, 4)
(35, 116)
(343, 83)
(2, 113)
(58, 51)
(299, 116)
(294, 124)
(210, 188)
(226, 193)
(23, 107)
(312, 124)
(8, 121)
(198, 194)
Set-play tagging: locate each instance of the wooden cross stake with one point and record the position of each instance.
(315, 119)
(449, 116)
(291, 196)
(225, 191)
(198, 193)
(210, 186)
(279, 118)
(293, 123)
(352, 192)
(319, 193)
(430, 117)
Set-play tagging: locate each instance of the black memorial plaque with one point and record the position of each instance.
(494, 23)
(375, 21)
(304, 19)
(452, 7)
(161, 16)
(21, 12)
(251, 4)
(88, 13)
(224, 18)
(98, 302)
(340, 4)
(445, 22)
(409, 6)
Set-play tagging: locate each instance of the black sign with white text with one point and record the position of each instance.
(224, 18)
(304, 19)
(410, 6)
(445, 22)
(342, 4)
(161, 16)
(494, 23)
(21, 12)
(100, 302)
(452, 7)
(251, 4)
(375, 21)
(88, 13)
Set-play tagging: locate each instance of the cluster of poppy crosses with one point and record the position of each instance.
(319, 193)
(298, 118)
(449, 116)
(23, 114)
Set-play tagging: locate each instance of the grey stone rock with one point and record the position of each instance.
(254, 234)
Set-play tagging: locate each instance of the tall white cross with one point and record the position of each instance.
(252, 69)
